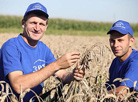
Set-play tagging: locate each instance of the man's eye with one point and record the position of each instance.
(42, 24)
(120, 40)
(32, 23)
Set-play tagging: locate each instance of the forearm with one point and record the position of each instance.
(121, 91)
(76, 74)
(64, 76)
(33, 79)
(68, 78)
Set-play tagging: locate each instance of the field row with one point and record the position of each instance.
(12, 24)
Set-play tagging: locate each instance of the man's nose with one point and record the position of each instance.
(37, 27)
(116, 44)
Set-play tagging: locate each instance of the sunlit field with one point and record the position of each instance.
(96, 58)
(62, 36)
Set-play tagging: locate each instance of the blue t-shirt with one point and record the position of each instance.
(127, 69)
(17, 55)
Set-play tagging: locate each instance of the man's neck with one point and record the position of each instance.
(29, 41)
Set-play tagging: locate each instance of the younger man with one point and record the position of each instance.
(125, 65)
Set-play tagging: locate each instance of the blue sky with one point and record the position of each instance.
(89, 10)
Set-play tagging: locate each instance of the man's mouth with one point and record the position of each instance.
(35, 33)
(116, 51)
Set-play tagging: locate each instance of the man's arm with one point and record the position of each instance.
(67, 77)
(121, 91)
(21, 82)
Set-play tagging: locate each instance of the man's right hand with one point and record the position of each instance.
(68, 60)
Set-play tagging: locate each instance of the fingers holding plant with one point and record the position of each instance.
(79, 72)
(68, 60)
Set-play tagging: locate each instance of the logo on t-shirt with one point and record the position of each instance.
(39, 64)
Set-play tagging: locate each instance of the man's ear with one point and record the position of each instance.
(131, 41)
(23, 23)
(46, 26)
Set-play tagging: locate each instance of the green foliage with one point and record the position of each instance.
(10, 22)
(61, 26)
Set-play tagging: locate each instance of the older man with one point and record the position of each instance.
(27, 62)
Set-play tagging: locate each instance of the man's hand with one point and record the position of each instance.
(79, 72)
(121, 91)
(68, 60)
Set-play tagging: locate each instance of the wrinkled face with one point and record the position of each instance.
(120, 44)
(34, 27)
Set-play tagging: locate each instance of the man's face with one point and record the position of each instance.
(34, 27)
(120, 44)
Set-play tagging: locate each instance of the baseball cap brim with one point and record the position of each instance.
(45, 14)
(117, 29)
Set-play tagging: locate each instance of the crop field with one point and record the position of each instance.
(62, 36)
(57, 26)
(96, 57)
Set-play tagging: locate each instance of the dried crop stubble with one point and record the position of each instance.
(97, 58)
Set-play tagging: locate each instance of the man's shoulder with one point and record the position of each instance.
(133, 58)
(10, 43)
(134, 55)
(12, 40)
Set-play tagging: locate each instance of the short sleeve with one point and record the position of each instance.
(11, 59)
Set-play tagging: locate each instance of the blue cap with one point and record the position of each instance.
(121, 26)
(37, 7)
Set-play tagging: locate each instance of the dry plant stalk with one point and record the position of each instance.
(96, 61)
